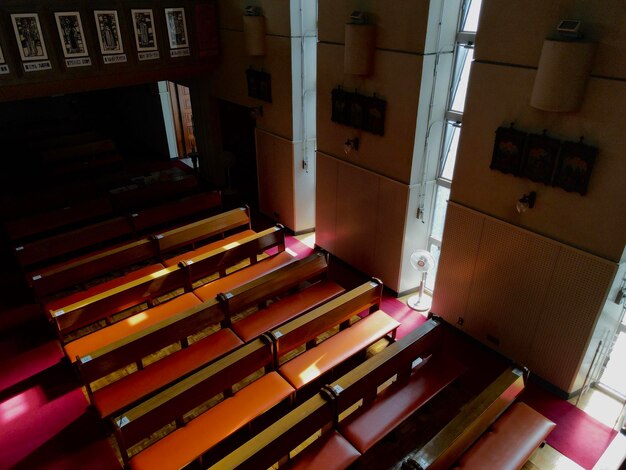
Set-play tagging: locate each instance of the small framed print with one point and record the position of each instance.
(574, 166)
(539, 158)
(109, 36)
(29, 36)
(176, 27)
(71, 33)
(143, 25)
(4, 68)
(508, 149)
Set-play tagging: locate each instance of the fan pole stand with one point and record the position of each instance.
(420, 302)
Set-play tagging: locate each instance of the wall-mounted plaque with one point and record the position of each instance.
(109, 36)
(177, 32)
(30, 41)
(145, 37)
(4, 68)
(72, 38)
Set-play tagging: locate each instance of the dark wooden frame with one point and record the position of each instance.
(539, 158)
(508, 150)
(259, 85)
(359, 111)
(574, 167)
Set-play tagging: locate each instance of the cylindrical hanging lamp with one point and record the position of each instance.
(562, 75)
(360, 45)
(254, 33)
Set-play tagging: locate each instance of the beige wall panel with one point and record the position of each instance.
(512, 32)
(401, 27)
(511, 279)
(276, 14)
(357, 200)
(594, 222)
(457, 262)
(326, 201)
(577, 292)
(275, 172)
(229, 79)
(397, 80)
(390, 228)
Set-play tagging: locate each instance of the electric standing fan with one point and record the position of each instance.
(422, 261)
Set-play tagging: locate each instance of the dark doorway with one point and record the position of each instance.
(239, 153)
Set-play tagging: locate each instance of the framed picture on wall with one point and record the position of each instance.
(71, 34)
(358, 110)
(264, 81)
(375, 110)
(539, 158)
(143, 26)
(1, 56)
(340, 111)
(29, 36)
(574, 166)
(508, 149)
(176, 27)
(108, 26)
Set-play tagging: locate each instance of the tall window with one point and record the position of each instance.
(463, 56)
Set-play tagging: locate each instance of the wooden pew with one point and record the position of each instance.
(55, 246)
(45, 222)
(333, 351)
(473, 420)
(201, 230)
(274, 444)
(201, 435)
(418, 381)
(54, 278)
(144, 289)
(77, 150)
(151, 218)
(138, 385)
(331, 450)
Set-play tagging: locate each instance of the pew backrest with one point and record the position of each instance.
(202, 229)
(276, 441)
(466, 427)
(79, 211)
(105, 304)
(310, 325)
(55, 278)
(274, 284)
(174, 402)
(137, 346)
(64, 243)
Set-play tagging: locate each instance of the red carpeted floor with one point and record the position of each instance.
(577, 435)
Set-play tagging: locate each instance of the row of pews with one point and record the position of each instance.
(219, 354)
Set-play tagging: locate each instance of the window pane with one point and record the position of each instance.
(439, 215)
(471, 20)
(453, 132)
(460, 81)
(432, 274)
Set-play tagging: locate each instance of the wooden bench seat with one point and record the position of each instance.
(286, 309)
(129, 390)
(186, 444)
(146, 288)
(79, 349)
(396, 403)
(191, 441)
(177, 328)
(322, 412)
(510, 442)
(315, 362)
(330, 452)
(473, 419)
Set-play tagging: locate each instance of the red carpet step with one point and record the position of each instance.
(29, 364)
